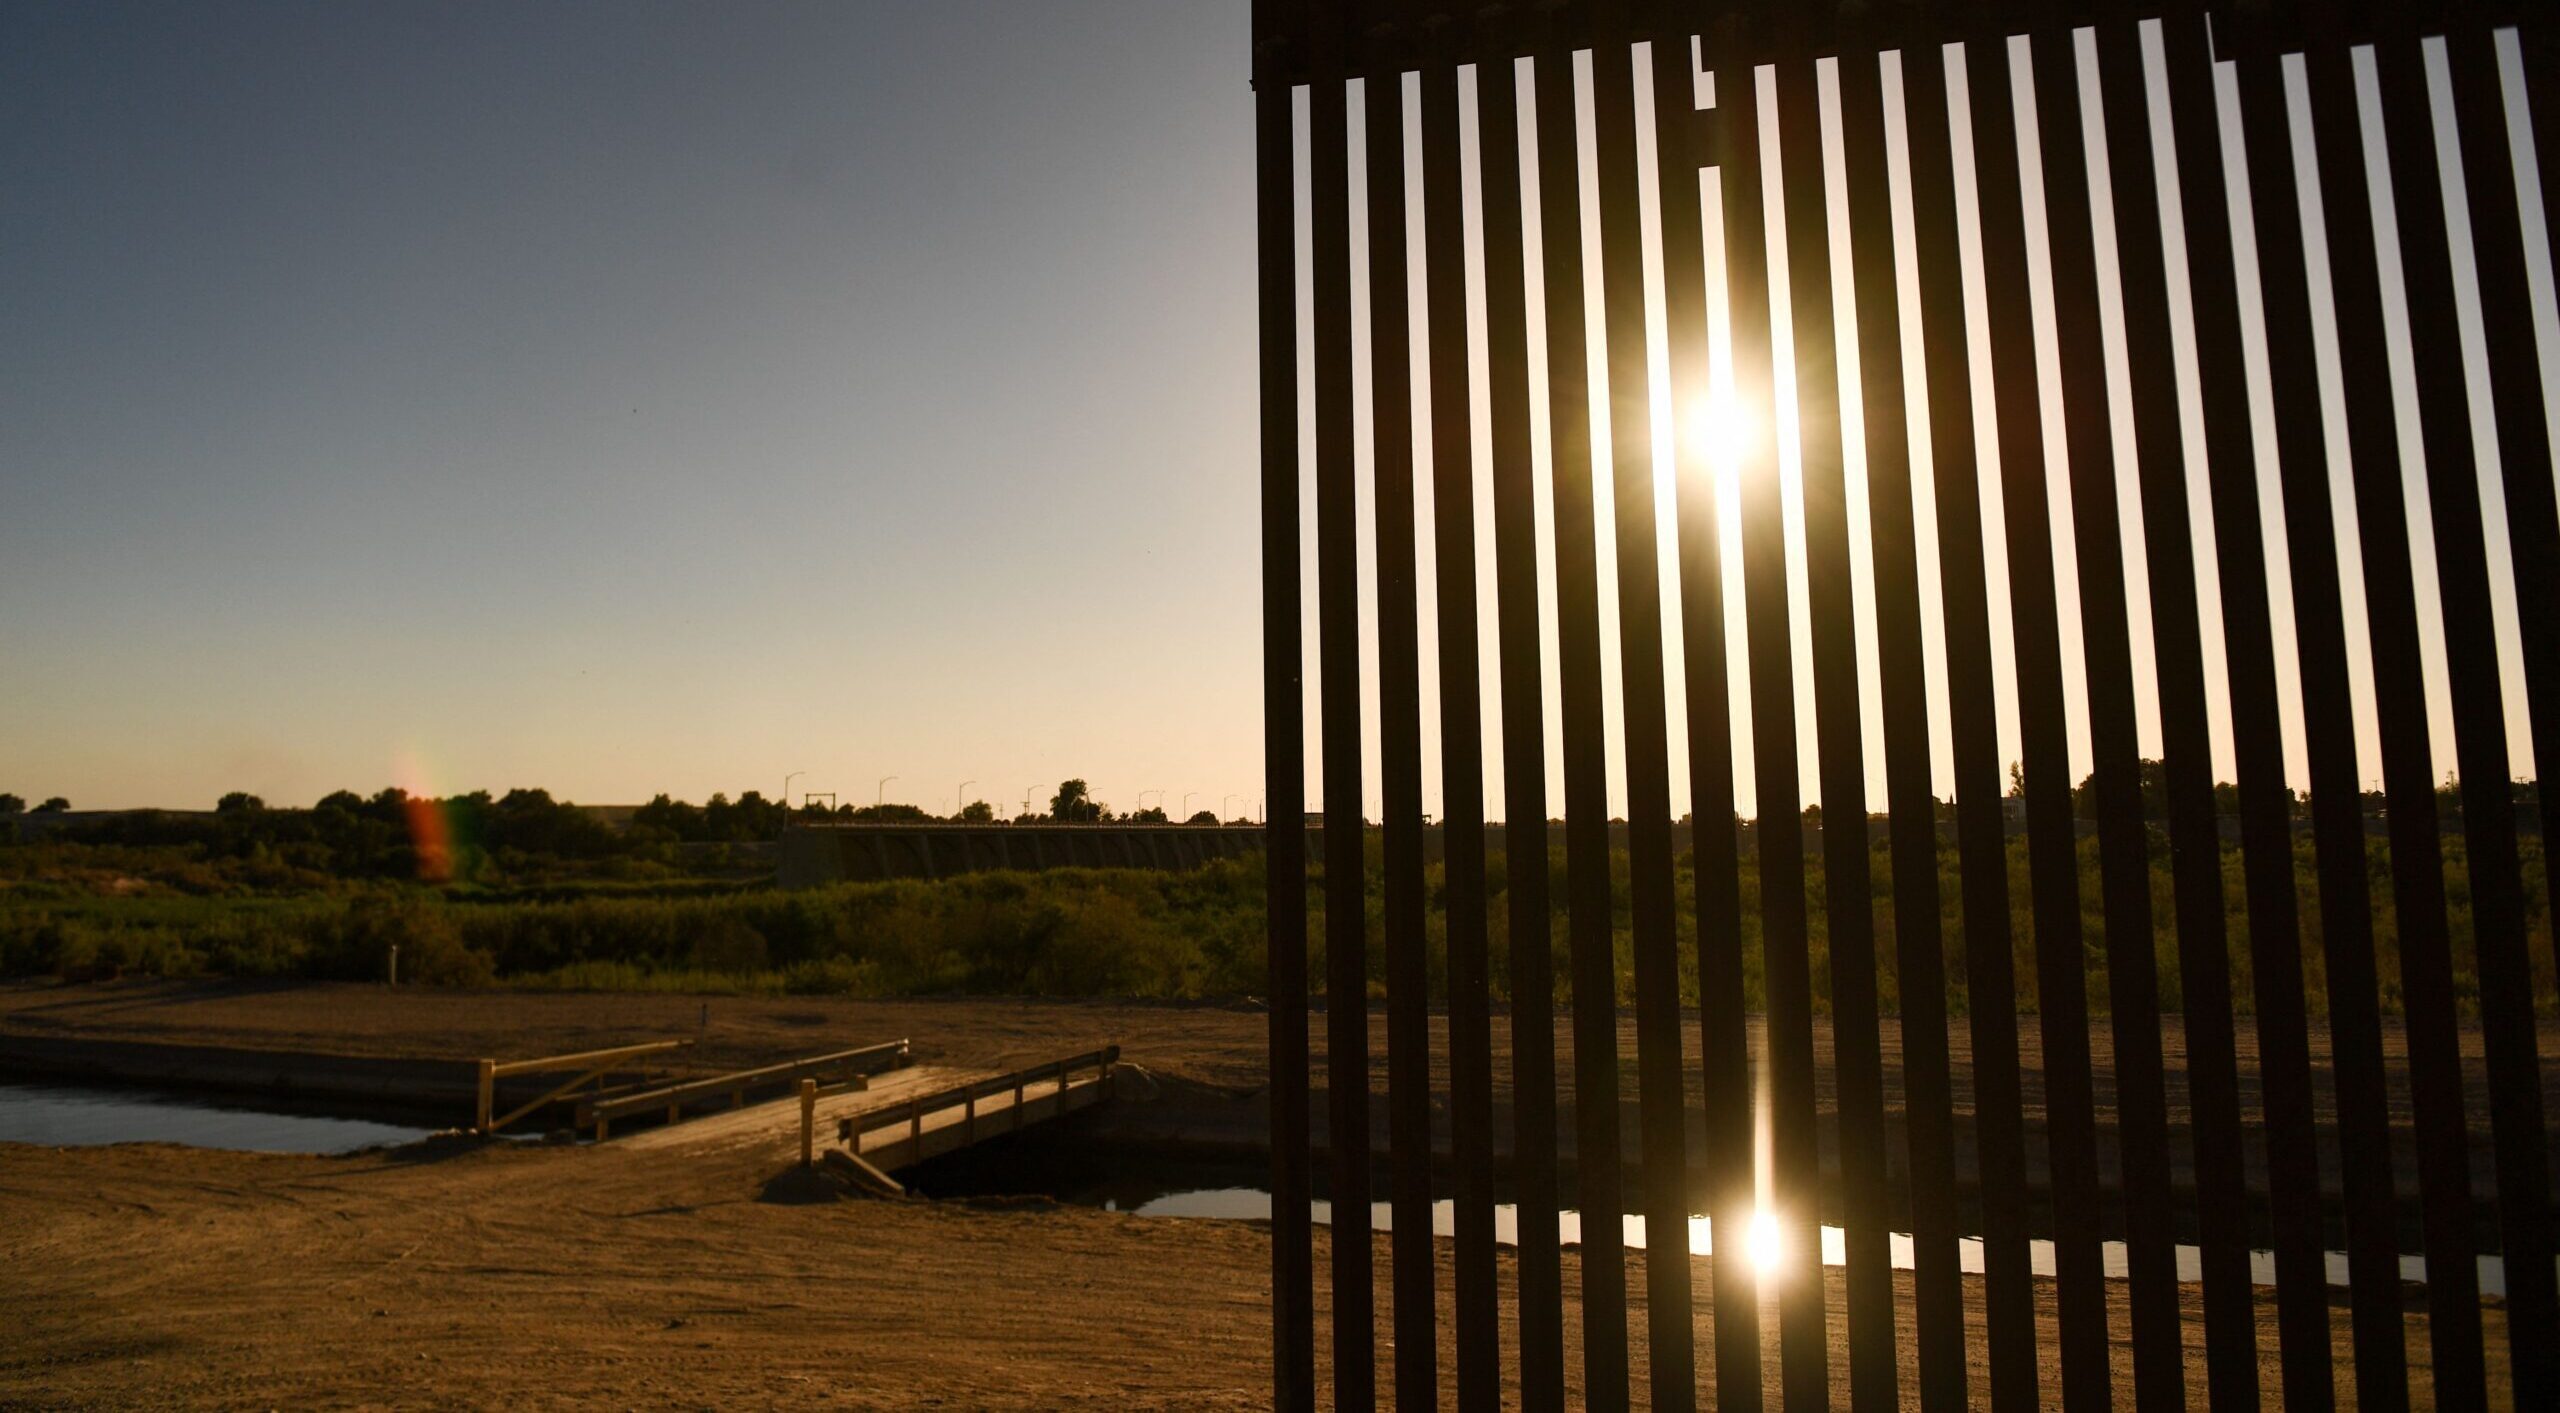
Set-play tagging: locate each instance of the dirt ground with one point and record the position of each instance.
(452, 1273)
(456, 1275)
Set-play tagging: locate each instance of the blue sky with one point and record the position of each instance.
(626, 397)
(635, 397)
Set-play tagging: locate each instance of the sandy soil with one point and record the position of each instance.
(456, 1274)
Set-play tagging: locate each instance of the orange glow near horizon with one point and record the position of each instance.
(430, 833)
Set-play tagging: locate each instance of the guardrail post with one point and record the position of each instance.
(488, 1089)
(808, 1122)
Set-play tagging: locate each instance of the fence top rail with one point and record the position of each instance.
(901, 1113)
(864, 1060)
(584, 1058)
(1376, 34)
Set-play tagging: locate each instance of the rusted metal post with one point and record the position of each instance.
(488, 1089)
(808, 1122)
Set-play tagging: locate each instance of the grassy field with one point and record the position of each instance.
(76, 909)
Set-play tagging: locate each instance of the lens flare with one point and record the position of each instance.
(430, 831)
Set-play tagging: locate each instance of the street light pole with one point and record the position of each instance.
(786, 786)
(1223, 812)
(1187, 797)
(881, 792)
(960, 798)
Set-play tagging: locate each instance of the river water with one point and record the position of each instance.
(1252, 1203)
(70, 1116)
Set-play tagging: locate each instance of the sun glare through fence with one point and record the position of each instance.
(1977, 536)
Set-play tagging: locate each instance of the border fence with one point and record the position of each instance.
(2358, 189)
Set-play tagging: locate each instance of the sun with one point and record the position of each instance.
(1760, 1242)
(1714, 427)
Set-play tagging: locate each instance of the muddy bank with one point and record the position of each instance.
(368, 1085)
(1196, 1071)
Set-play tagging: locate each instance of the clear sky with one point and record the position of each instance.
(626, 397)
(636, 397)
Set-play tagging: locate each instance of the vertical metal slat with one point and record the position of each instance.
(1839, 747)
(2062, 1022)
(1524, 745)
(1725, 1050)
(1990, 971)
(1411, 1254)
(1284, 736)
(2417, 873)
(1338, 654)
(1794, 1204)
(1595, 1024)
(2142, 1131)
(2346, 920)
(1461, 745)
(2526, 1237)
(2195, 846)
(1920, 962)
(1645, 728)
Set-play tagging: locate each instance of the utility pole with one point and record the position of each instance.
(1028, 791)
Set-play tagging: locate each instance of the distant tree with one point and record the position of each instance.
(54, 805)
(2017, 780)
(1813, 816)
(978, 812)
(1074, 803)
(891, 814)
(12, 804)
(678, 819)
(344, 801)
(239, 802)
(1203, 817)
(1152, 814)
(2155, 791)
